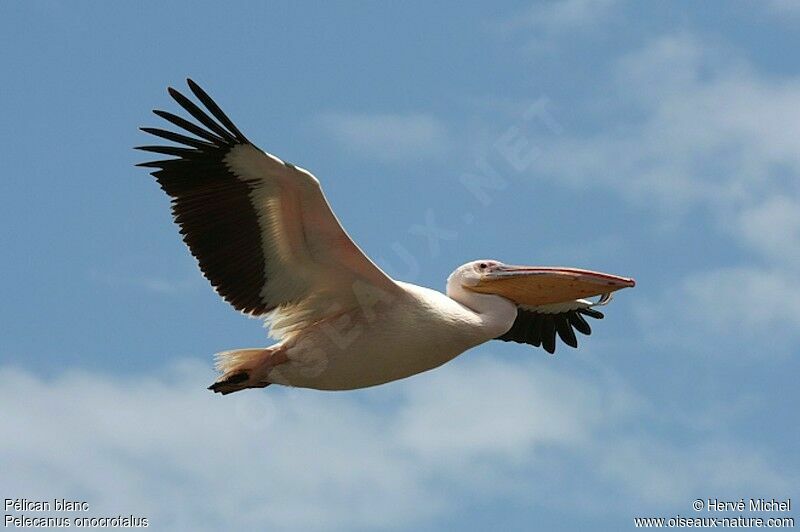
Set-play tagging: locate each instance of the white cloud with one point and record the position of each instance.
(710, 133)
(700, 134)
(546, 22)
(746, 312)
(166, 448)
(772, 228)
(559, 16)
(782, 8)
(743, 299)
(565, 15)
(438, 419)
(163, 447)
(663, 476)
(150, 283)
(387, 137)
(731, 313)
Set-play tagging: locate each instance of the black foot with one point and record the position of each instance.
(234, 383)
(231, 384)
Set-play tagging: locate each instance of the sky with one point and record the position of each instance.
(657, 140)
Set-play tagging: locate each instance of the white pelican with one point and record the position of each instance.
(267, 240)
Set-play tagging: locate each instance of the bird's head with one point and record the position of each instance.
(471, 273)
(532, 285)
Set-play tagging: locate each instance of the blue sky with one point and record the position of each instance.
(654, 140)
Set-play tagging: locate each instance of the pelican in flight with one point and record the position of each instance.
(267, 240)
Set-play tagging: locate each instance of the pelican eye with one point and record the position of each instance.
(482, 266)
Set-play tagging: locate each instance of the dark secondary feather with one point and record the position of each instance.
(210, 205)
(539, 329)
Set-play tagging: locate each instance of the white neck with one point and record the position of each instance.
(497, 314)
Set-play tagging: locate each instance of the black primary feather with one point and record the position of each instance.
(540, 329)
(212, 207)
(177, 137)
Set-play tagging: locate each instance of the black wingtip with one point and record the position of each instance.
(175, 93)
(190, 127)
(163, 114)
(175, 151)
(549, 335)
(565, 332)
(596, 314)
(201, 115)
(215, 110)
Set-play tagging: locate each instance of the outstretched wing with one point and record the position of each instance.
(260, 228)
(539, 325)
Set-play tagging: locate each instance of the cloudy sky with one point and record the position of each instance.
(654, 140)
